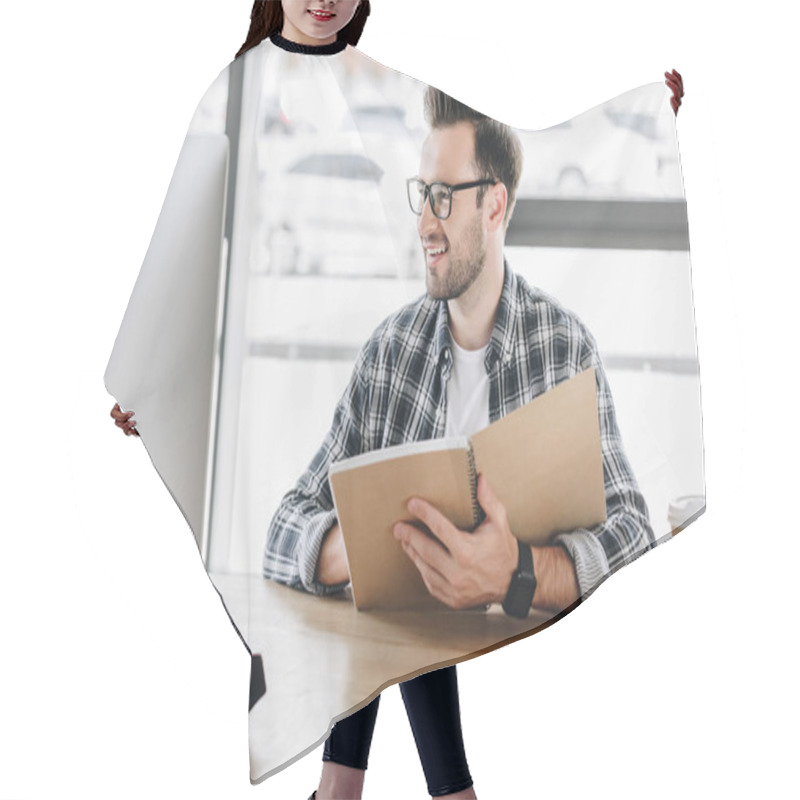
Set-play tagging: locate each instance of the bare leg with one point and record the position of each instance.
(339, 782)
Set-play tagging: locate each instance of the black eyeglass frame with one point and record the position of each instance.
(428, 195)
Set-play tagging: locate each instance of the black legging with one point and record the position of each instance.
(433, 711)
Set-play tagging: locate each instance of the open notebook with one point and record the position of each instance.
(543, 462)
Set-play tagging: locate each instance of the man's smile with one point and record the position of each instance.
(434, 252)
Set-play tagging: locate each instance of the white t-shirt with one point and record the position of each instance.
(467, 393)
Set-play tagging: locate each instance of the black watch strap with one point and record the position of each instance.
(523, 585)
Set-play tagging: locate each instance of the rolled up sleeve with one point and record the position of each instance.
(306, 513)
(627, 533)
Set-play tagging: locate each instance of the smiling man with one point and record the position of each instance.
(479, 344)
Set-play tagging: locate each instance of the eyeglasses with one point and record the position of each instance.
(440, 195)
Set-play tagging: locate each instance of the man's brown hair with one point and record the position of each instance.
(498, 151)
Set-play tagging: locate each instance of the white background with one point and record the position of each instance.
(120, 674)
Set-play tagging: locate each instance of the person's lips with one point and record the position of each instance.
(322, 16)
(434, 252)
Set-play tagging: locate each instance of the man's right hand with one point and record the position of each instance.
(124, 420)
(332, 566)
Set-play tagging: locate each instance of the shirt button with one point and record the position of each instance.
(508, 358)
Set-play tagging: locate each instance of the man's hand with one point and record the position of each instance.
(471, 568)
(675, 82)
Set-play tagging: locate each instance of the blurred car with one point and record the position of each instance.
(380, 119)
(617, 150)
(275, 120)
(335, 213)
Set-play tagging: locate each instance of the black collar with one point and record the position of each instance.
(308, 49)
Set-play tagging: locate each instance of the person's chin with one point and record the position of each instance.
(436, 290)
(316, 31)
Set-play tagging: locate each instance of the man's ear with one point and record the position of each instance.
(497, 202)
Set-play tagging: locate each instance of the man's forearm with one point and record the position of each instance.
(556, 582)
(332, 567)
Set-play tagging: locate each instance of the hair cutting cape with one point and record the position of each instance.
(285, 241)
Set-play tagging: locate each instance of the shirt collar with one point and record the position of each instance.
(501, 343)
(309, 49)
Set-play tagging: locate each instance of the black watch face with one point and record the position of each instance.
(520, 595)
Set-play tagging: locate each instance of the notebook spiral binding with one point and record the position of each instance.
(477, 512)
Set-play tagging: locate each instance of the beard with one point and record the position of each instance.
(463, 268)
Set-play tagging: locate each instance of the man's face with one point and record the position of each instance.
(454, 248)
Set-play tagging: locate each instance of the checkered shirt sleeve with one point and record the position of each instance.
(306, 512)
(599, 551)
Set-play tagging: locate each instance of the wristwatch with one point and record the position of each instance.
(523, 585)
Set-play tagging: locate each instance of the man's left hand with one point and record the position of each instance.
(475, 568)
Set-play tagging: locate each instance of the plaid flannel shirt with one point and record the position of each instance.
(398, 393)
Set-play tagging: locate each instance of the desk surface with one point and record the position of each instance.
(323, 659)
